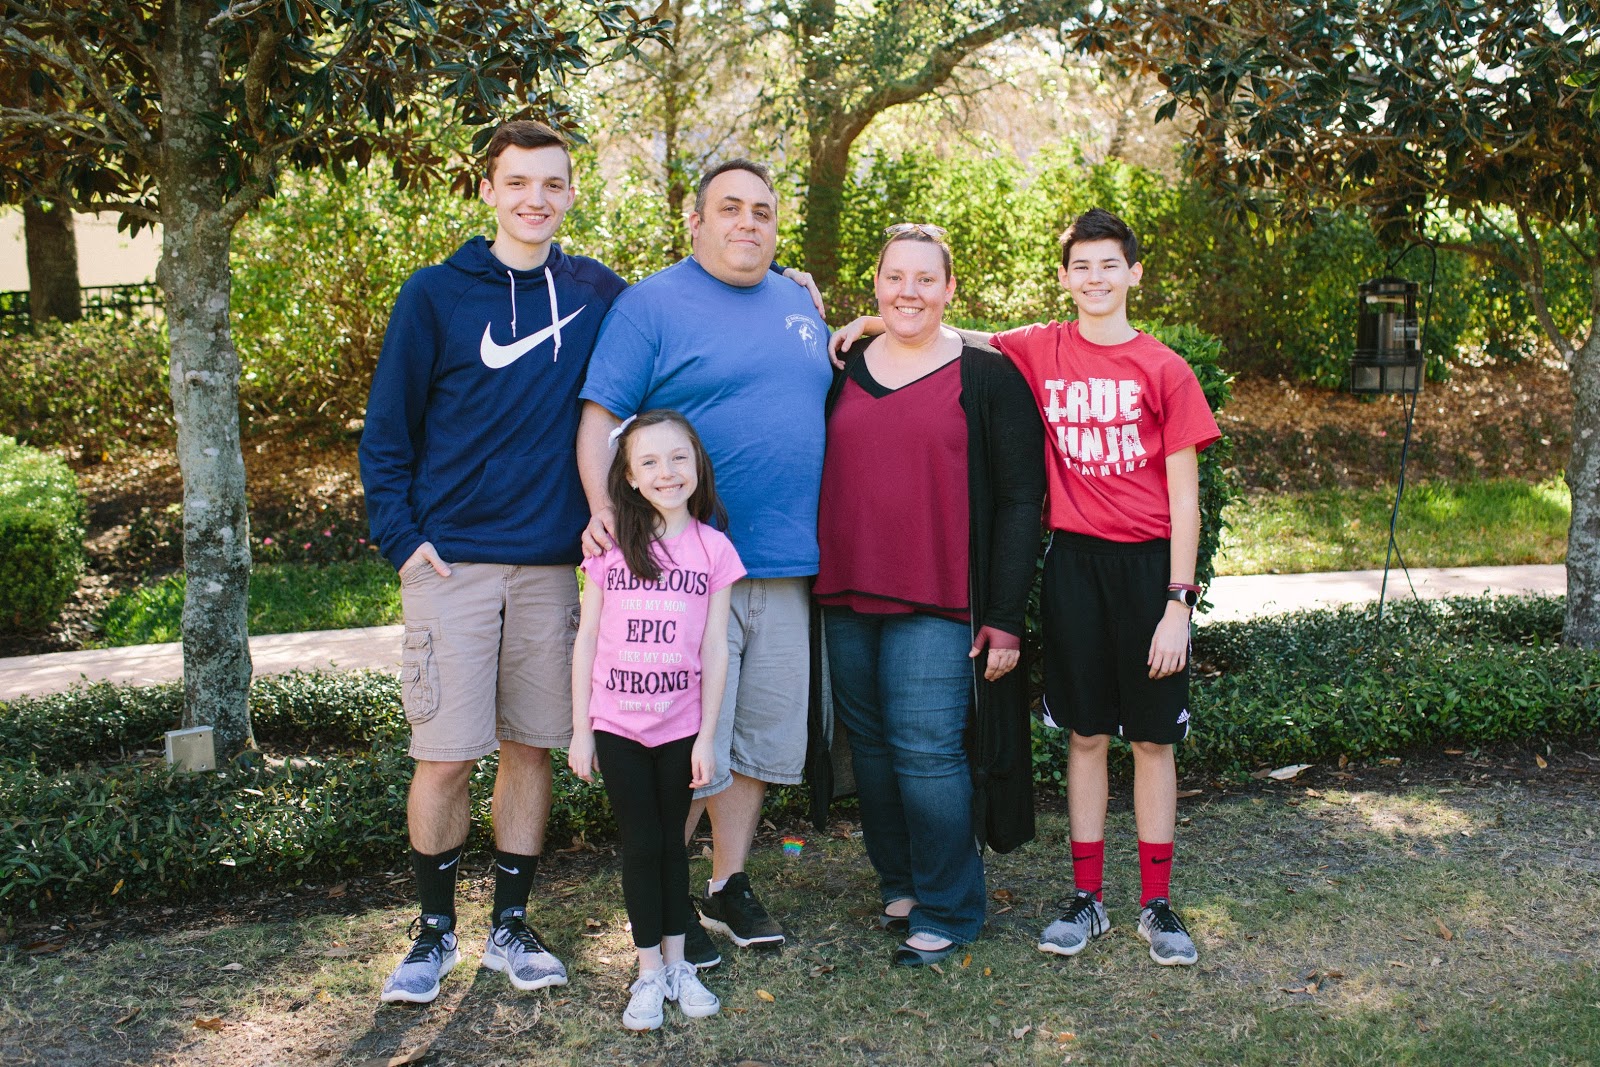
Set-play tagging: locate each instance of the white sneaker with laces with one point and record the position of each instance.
(644, 1009)
(685, 989)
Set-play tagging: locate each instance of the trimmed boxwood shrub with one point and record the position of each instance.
(41, 537)
(1312, 686)
(89, 814)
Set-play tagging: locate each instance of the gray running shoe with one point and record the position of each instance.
(433, 954)
(1084, 919)
(644, 1009)
(1170, 944)
(684, 989)
(514, 948)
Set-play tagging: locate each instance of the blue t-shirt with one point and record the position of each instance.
(749, 368)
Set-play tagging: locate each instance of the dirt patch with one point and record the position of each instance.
(1494, 421)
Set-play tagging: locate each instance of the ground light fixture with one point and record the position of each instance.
(1389, 358)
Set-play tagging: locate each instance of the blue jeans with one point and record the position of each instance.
(902, 685)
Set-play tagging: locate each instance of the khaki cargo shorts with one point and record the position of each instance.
(487, 657)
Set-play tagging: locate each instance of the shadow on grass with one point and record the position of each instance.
(1440, 922)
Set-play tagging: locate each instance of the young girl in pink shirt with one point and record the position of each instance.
(648, 670)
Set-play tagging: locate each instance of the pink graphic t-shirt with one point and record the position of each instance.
(646, 680)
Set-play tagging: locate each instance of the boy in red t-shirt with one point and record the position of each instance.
(1124, 419)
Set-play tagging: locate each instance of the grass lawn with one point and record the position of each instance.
(1423, 921)
(1442, 524)
(284, 598)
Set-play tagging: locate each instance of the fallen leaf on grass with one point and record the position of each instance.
(912, 1011)
(213, 1023)
(339, 953)
(1540, 761)
(1397, 963)
(37, 948)
(1185, 794)
(762, 994)
(338, 890)
(1020, 1032)
(966, 961)
(232, 967)
(936, 969)
(1455, 752)
(128, 1016)
(821, 969)
(1283, 774)
(987, 972)
(1444, 931)
(399, 1060)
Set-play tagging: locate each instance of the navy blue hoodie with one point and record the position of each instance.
(472, 421)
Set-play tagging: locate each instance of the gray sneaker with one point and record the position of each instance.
(432, 955)
(1085, 919)
(514, 948)
(1170, 944)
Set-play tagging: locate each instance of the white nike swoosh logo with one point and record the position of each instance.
(497, 356)
(510, 870)
(452, 863)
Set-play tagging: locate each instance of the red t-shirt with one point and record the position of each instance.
(892, 522)
(1113, 413)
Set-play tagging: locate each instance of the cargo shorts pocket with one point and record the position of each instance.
(419, 673)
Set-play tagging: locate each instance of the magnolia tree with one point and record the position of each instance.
(1405, 109)
(182, 113)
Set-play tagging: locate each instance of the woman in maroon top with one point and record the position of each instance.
(929, 523)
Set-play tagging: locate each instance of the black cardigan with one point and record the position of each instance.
(1005, 494)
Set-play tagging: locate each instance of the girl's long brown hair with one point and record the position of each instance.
(636, 518)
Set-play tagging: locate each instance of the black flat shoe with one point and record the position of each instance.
(899, 925)
(910, 956)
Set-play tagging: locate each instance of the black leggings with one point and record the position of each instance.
(649, 791)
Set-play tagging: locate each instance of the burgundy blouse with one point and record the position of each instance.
(892, 524)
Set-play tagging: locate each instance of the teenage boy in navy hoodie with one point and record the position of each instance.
(473, 494)
(469, 463)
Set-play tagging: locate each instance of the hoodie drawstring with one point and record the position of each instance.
(512, 278)
(555, 313)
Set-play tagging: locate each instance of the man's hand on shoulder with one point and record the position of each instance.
(428, 552)
(600, 534)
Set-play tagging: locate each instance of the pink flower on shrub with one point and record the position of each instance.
(266, 541)
(306, 545)
(327, 533)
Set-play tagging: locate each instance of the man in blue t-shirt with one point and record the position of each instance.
(746, 361)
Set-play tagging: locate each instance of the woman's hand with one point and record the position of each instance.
(1002, 660)
(849, 334)
(809, 284)
(580, 755)
(1169, 648)
(702, 762)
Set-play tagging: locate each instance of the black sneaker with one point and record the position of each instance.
(697, 946)
(737, 913)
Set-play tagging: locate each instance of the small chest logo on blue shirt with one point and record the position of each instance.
(806, 327)
(498, 356)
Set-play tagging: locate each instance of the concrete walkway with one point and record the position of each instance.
(378, 647)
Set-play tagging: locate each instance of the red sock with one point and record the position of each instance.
(1089, 866)
(1155, 871)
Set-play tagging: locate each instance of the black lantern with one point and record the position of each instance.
(1388, 355)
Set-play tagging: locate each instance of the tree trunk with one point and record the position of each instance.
(52, 261)
(826, 170)
(204, 381)
(1583, 479)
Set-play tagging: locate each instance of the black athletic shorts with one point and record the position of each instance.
(1100, 602)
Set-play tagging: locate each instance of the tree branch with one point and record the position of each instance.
(1533, 285)
(83, 69)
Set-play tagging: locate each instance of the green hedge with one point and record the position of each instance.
(1303, 688)
(41, 537)
(88, 812)
(1312, 686)
(91, 385)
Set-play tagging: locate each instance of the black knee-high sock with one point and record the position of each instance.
(436, 880)
(513, 882)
